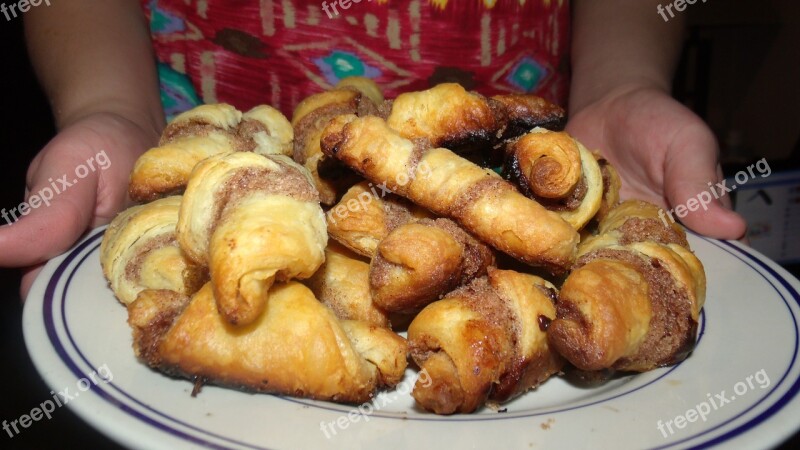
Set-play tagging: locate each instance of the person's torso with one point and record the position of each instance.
(249, 52)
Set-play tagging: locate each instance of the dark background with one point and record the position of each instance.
(724, 36)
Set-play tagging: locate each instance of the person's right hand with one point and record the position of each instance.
(48, 231)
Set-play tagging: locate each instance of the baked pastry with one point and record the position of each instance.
(263, 129)
(366, 214)
(611, 186)
(342, 284)
(446, 115)
(443, 182)
(449, 116)
(633, 300)
(417, 263)
(557, 171)
(164, 170)
(139, 251)
(296, 347)
(353, 95)
(486, 341)
(202, 132)
(414, 259)
(524, 112)
(252, 220)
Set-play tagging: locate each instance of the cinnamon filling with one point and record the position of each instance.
(637, 229)
(315, 121)
(672, 332)
(289, 182)
(246, 131)
(134, 267)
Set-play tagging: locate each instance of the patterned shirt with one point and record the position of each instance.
(249, 52)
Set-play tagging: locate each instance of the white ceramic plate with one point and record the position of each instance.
(747, 354)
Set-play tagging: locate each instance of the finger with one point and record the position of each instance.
(28, 277)
(694, 188)
(50, 225)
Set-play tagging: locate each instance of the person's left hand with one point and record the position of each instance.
(664, 153)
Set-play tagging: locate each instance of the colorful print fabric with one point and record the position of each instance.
(249, 52)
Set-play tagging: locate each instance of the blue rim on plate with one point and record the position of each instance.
(166, 423)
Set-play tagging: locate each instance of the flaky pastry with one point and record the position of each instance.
(295, 347)
(443, 182)
(633, 300)
(486, 341)
(253, 220)
(140, 251)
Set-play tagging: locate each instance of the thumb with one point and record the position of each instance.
(54, 215)
(695, 192)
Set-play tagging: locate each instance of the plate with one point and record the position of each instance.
(739, 387)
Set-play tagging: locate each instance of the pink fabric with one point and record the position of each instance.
(249, 52)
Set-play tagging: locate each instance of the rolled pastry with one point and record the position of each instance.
(296, 347)
(414, 259)
(366, 214)
(140, 251)
(441, 181)
(558, 172)
(449, 116)
(342, 284)
(202, 132)
(484, 342)
(524, 112)
(633, 300)
(353, 95)
(253, 220)
(417, 263)
(611, 186)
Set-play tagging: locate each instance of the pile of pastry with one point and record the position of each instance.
(285, 257)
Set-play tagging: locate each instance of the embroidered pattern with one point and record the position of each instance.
(248, 52)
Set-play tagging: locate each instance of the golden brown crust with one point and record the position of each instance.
(140, 251)
(447, 115)
(314, 113)
(524, 112)
(611, 186)
(202, 121)
(483, 342)
(165, 170)
(557, 171)
(639, 221)
(380, 347)
(202, 132)
(419, 262)
(604, 314)
(266, 131)
(451, 186)
(633, 300)
(150, 316)
(366, 214)
(549, 164)
(253, 220)
(297, 347)
(353, 95)
(342, 284)
(364, 86)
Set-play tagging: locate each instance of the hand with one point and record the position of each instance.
(112, 144)
(664, 153)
